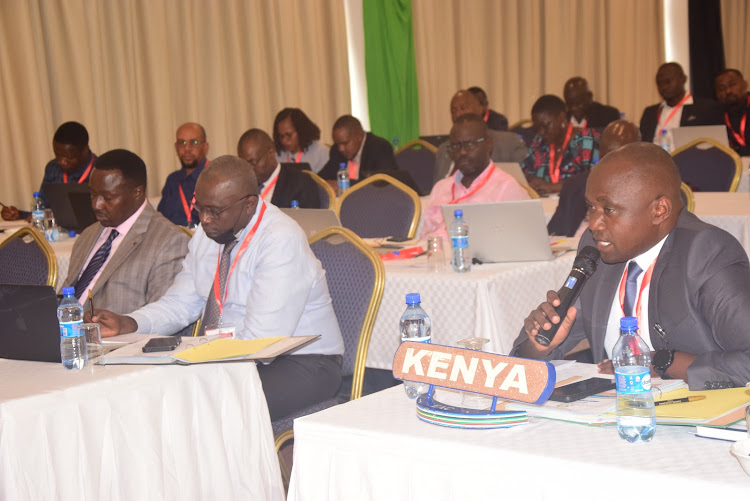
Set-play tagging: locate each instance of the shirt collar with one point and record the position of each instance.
(273, 175)
(458, 176)
(126, 225)
(689, 100)
(357, 158)
(644, 260)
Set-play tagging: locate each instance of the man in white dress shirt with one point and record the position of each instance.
(273, 286)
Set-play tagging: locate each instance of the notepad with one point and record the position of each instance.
(719, 408)
(225, 349)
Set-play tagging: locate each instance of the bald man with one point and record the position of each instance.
(679, 107)
(583, 111)
(571, 209)
(270, 284)
(191, 147)
(694, 313)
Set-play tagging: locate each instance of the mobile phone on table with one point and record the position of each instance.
(582, 389)
(161, 344)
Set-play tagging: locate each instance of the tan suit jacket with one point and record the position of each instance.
(142, 268)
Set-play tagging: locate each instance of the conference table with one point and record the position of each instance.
(376, 448)
(135, 432)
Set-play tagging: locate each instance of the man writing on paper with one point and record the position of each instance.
(690, 280)
(249, 269)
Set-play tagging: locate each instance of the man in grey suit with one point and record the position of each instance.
(131, 255)
(695, 313)
(508, 147)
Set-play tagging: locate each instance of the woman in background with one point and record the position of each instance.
(296, 139)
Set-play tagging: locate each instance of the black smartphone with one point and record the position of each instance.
(161, 344)
(582, 389)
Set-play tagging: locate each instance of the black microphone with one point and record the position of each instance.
(583, 267)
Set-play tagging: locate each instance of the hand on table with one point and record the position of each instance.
(10, 213)
(112, 324)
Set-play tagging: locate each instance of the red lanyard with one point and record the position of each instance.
(297, 157)
(478, 187)
(584, 123)
(486, 115)
(740, 138)
(185, 207)
(554, 168)
(671, 114)
(269, 188)
(86, 172)
(644, 284)
(353, 170)
(242, 250)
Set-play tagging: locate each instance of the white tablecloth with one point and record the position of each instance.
(376, 448)
(135, 432)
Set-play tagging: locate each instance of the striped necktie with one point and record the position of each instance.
(631, 289)
(211, 314)
(95, 264)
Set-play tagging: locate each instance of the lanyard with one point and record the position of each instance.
(185, 207)
(644, 284)
(740, 138)
(85, 173)
(242, 250)
(671, 114)
(353, 170)
(486, 115)
(584, 123)
(554, 168)
(296, 158)
(269, 188)
(478, 187)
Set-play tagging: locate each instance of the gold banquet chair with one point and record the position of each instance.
(325, 192)
(356, 279)
(26, 258)
(380, 206)
(418, 159)
(688, 199)
(706, 165)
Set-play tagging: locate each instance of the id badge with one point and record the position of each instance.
(225, 331)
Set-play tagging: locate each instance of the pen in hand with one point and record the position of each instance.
(696, 398)
(91, 304)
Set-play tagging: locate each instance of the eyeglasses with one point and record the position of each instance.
(469, 146)
(215, 213)
(193, 143)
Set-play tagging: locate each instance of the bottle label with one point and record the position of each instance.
(37, 214)
(426, 339)
(343, 184)
(632, 380)
(70, 329)
(460, 242)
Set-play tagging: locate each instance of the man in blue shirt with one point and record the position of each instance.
(72, 163)
(177, 194)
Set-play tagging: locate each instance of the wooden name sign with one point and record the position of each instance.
(511, 378)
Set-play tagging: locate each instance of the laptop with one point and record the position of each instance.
(28, 314)
(502, 232)
(683, 135)
(71, 204)
(313, 221)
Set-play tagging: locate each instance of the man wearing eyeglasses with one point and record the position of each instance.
(476, 179)
(250, 271)
(192, 148)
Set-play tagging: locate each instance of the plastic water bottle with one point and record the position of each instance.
(343, 177)
(459, 230)
(37, 212)
(665, 140)
(415, 325)
(72, 341)
(295, 204)
(631, 358)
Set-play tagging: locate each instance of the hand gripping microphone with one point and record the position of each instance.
(583, 267)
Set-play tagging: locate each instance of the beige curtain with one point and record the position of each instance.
(518, 50)
(133, 70)
(735, 23)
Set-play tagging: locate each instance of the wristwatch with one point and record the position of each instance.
(661, 361)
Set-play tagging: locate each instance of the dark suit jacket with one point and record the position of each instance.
(701, 112)
(377, 156)
(700, 291)
(497, 121)
(600, 115)
(293, 184)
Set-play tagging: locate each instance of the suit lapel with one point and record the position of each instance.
(653, 293)
(78, 259)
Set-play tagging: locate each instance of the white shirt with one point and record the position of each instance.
(267, 191)
(615, 313)
(123, 230)
(277, 288)
(673, 122)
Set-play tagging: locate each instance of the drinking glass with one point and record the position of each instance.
(94, 348)
(469, 399)
(435, 254)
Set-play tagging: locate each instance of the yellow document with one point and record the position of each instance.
(716, 404)
(225, 349)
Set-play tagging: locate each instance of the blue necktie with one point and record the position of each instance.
(95, 264)
(631, 288)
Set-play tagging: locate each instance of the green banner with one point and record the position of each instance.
(392, 93)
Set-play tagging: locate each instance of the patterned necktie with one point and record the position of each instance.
(631, 288)
(95, 264)
(211, 313)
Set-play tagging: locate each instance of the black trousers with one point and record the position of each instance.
(294, 382)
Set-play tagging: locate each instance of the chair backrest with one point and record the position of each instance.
(525, 129)
(418, 159)
(706, 165)
(26, 258)
(380, 206)
(688, 200)
(325, 192)
(356, 278)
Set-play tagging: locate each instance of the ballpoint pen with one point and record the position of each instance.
(91, 303)
(695, 398)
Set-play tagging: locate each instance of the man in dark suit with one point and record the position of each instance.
(361, 153)
(694, 278)
(493, 119)
(278, 183)
(679, 108)
(583, 111)
(731, 91)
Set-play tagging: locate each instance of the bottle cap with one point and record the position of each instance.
(458, 213)
(36, 194)
(342, 165)
(664, 132)
(413, 298)
(72, 234)
(68, 291)
(295, 204)
(628, 323)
